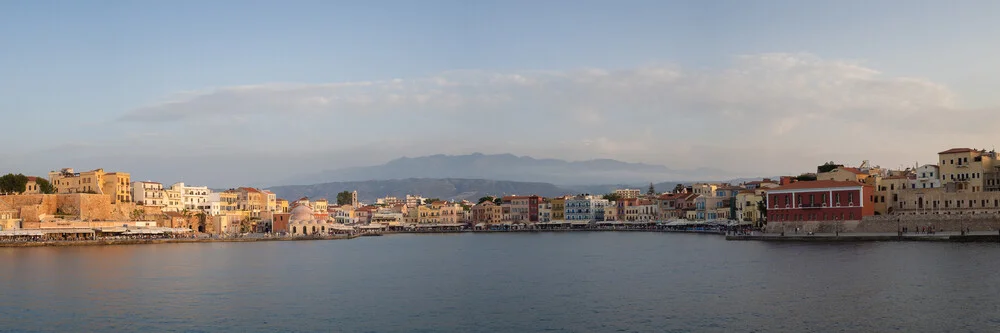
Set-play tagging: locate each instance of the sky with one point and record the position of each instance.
(228, 93)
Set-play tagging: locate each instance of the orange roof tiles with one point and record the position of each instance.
(957, 150)
(818, 184)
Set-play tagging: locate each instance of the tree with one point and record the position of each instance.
(344, 198)
(431, 200)
(611, 197)
(484, 199)
(679, 188)
(762, 208)
(498, 201)
(827, 167)
(13, 184)
(44, 186)
(806, 177)
(651, 191)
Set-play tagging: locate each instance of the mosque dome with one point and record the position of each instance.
(301, 213)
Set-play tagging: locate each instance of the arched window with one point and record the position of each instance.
(293, 230)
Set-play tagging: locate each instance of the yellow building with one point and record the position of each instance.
(887, 193)
(611, 212)
(705, 190)
(559, 209)
(963, 169)
(251, 200)
(746, 206)
(320, 206)
(281, 206)
(114, 184)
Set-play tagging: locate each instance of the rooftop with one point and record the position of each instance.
(957, 150)
(801, 185)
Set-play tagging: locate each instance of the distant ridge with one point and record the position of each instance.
(510, 168)
(446, 188)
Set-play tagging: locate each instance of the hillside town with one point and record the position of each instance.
(95, 204)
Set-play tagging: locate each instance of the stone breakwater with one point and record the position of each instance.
(892, 223)
(166, 241)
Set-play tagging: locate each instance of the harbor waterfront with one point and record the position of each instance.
(503, 282)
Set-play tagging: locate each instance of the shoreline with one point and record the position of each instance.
(823, 238)
(112, 242)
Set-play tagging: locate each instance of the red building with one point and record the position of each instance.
(821, 200)
(280, 222)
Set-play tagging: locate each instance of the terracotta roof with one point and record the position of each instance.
(957, 150)
(854, 170)
(32, 178)
(250, 189)
(817, 184)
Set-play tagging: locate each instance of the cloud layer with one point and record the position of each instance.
(762, 115)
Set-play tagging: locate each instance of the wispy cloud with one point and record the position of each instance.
(759, 105)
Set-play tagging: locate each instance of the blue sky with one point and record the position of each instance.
(150, 87)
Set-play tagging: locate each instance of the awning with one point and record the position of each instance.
(33, 232)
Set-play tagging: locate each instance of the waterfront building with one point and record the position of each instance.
(487, 212)
(747, 209)
(272, 201)
(149, 194)
(585, 208)
(175, 201)
(302, 221)
(821, 200)
(279, 222)
(281, 205)
(222, 203)
(611, 212)
(887, 192)
(190, 197)
(926, 176)
(251, 200)
(940, 201)
(116, 185)
(558, 208)
(965, 169)
(544, 212)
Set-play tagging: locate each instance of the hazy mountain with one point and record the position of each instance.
(512, 168)
(449, 189)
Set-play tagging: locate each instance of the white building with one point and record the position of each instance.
(149, 194)
(585, 208)
(928, 176)
(627, 193)
(544, 212)
(191, 197)
(388, 200)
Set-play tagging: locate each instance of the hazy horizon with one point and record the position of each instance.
(227, 93)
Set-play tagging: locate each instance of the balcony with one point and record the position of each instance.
(812, 205)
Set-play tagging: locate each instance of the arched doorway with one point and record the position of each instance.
(293, 230)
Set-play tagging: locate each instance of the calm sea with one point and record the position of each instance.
(563, 282)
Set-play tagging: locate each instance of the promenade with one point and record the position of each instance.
(100, 242)
(974, 236)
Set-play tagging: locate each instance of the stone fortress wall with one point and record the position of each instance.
(891, 223)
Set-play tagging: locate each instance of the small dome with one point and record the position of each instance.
(301, 213)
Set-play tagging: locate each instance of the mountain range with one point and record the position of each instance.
(509, 167)
(447, 189)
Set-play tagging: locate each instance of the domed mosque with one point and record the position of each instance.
(302, 221)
